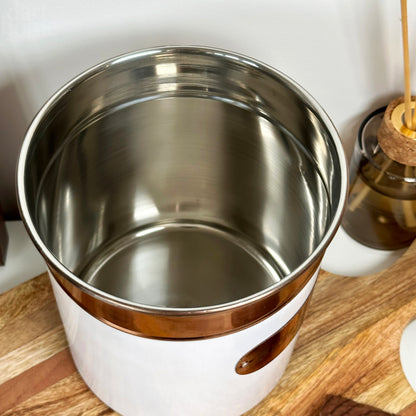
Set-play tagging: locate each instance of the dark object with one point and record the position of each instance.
(340, 406)
(4, 240)
(381, 211)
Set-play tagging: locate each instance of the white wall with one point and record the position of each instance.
(346, 53)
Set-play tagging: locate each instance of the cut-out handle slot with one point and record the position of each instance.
(269, 349)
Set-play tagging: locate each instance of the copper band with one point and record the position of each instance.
(269, 349)
(183, 325)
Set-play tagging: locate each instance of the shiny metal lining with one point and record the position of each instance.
(181, 181)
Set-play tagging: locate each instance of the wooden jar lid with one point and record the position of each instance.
(396, 140)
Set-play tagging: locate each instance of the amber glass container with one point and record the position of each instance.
(381, 210)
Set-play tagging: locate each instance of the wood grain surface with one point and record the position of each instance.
(348, 346)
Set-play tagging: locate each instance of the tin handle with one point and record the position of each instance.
(269, 349)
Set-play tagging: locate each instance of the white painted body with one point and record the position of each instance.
(142, 376)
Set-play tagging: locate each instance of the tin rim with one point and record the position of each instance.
(58, 268)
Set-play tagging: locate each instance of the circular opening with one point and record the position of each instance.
(181, 178)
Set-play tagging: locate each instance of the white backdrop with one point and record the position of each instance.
(346, 53)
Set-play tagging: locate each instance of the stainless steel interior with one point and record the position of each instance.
(181, 177)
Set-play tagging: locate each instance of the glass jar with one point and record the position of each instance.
(381, 210)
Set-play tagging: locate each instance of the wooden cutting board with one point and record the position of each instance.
(348, 345)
